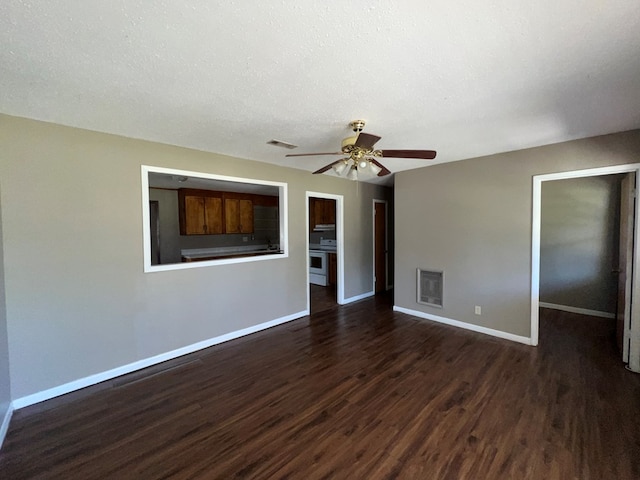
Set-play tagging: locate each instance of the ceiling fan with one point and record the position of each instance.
(360, 153)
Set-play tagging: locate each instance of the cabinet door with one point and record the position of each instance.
(238, 215)
(332, 268)
(312, 213)
(231, 215)
(213, 214)
(246, 216)
(322, 211)
(329, 212)
(194, 218)
(318, 213)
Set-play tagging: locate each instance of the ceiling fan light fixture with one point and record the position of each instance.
(353, 173)
(339, 168)
(374, 168)
(363, 163)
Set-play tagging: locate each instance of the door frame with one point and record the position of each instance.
(634, 351)
(386, 243)
(339, 241)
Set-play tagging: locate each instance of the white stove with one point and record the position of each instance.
(318, 261)
(325, 245)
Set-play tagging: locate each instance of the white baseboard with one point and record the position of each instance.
(582, 311)
(4, 428)
(466, 326)
(358, 297)
(147, 362)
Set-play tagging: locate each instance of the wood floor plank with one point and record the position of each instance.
(355, 391)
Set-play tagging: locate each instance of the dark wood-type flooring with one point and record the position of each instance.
(322, 298)
(353, 392)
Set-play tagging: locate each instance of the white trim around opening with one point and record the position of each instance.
(634, 354)
(339, 240)
(283, 241)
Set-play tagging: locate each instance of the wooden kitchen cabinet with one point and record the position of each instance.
(332, 269)
(238, 215)
(208, 212)
(213, 214)
(312, 213)
(322, 211)
(200, 214)
(329, 213)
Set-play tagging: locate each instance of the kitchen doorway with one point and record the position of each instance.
(632, 352)
(325, 251)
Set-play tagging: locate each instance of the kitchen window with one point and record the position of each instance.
(194, 219)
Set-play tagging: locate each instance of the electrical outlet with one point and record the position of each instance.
(245, 239)
(478, 310)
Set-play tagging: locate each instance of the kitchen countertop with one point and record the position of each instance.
(200, 254)
(315, 247)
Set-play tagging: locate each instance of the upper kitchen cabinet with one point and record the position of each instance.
(200, 212)
(322, 213)
(208, 212)
(238, 214)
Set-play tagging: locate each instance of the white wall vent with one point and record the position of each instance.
(430, 286)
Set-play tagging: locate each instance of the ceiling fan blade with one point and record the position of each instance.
(384, 171)
(326, 167)
(311, 154)
(366, 140)
(424, 154)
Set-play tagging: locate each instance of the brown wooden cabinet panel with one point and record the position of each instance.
(246, 216)
(238, 215)
(322, 211)
(200, 212)
(213, 214)
(265, 201)
(194, 221)
(318, 213)
(231, 215)
(332, 268)
(207, 212)
(312, 213)
(329, 214)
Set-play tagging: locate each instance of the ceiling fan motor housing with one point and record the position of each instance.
(347, 143)
(357, 125)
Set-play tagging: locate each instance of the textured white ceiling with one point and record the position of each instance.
(465, 78)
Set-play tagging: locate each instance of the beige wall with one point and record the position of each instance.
(5, 384)
(78, 302)
(579, 235)
(472, 219)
